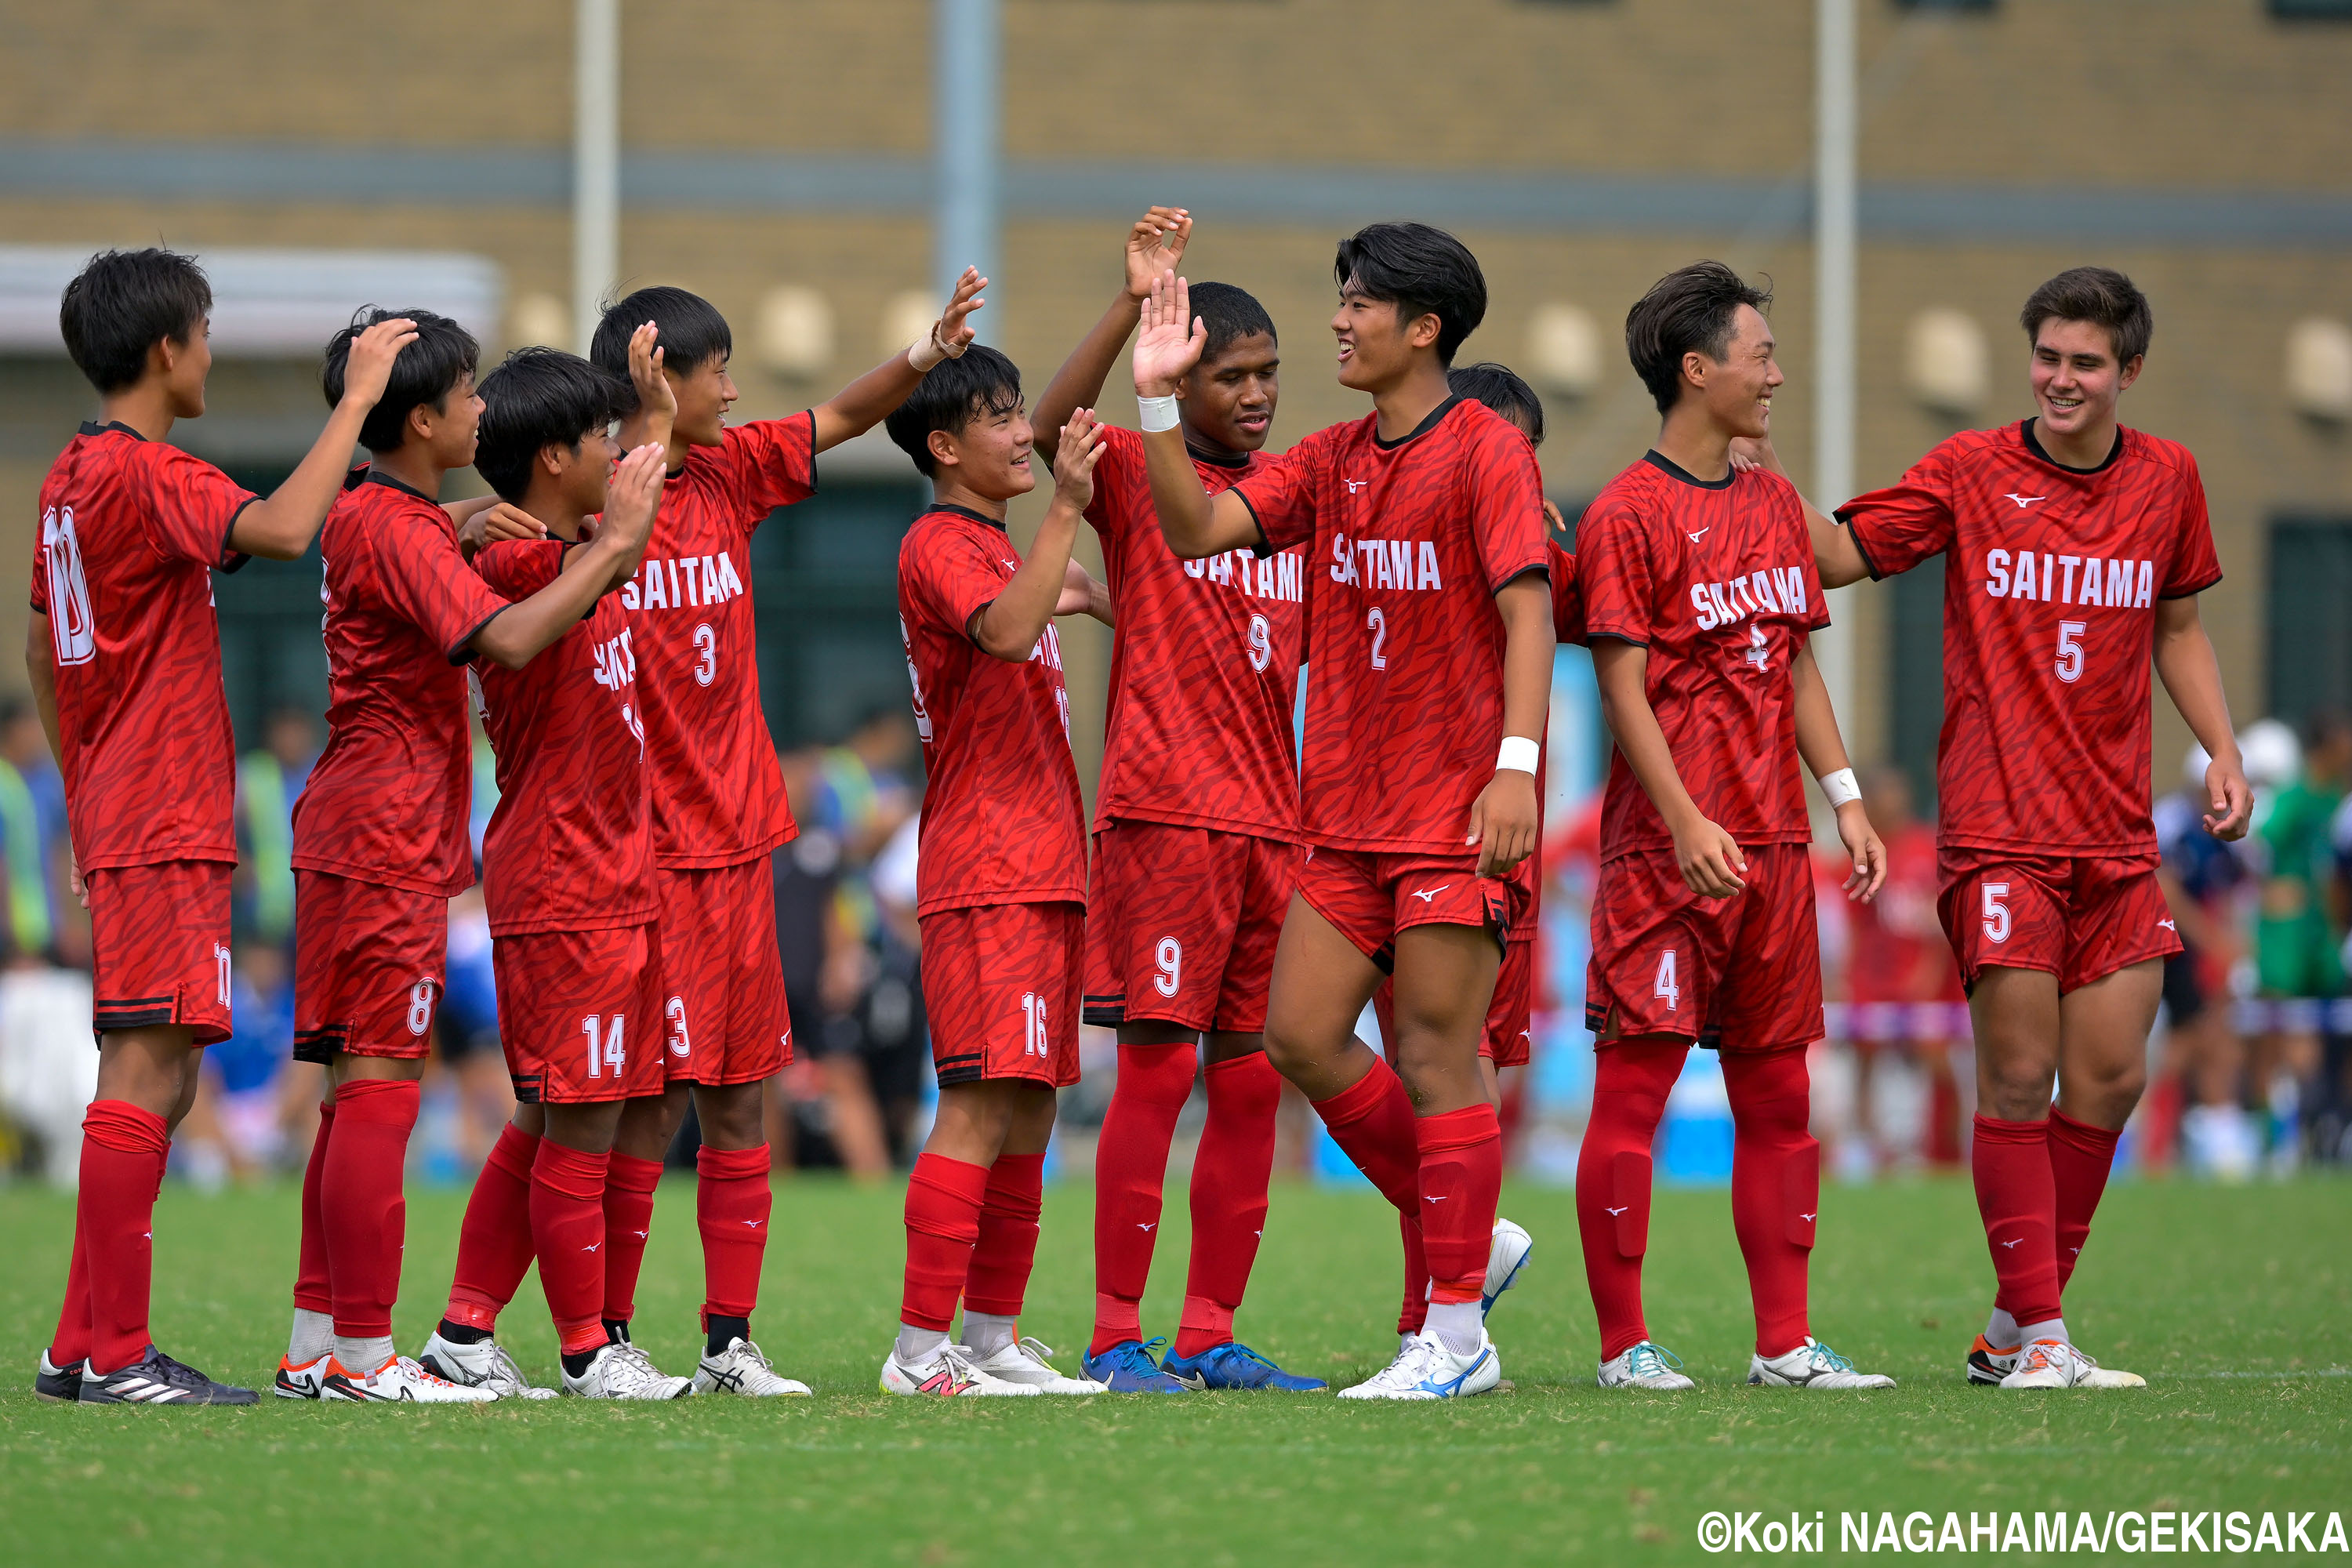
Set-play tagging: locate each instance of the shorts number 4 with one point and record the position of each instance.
(1667, 985)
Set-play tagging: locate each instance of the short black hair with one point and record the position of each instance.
(1499, 388)
(2099, 295)
(538, 398)
(121, 303)
(1230, 314)
(1422, 271)
(954, 393)
(427, 371)
(692, 330)
(1690, 308)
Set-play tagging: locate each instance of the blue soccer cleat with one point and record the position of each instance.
(1128, 1368)
(1231, 1365)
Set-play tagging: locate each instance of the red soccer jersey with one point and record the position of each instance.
(1002, 822)
(387, 800)
(130, 532)
(2046, 724)
(719, 795)
(1412, 539)
(571, 846)
(1566, 597)
(1205, 669)
(1717, 582)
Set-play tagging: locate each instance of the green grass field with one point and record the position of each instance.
(2236, 1303)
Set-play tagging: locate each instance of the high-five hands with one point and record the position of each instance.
(1170, 340)
(1155, 245)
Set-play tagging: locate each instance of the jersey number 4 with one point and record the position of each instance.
(1667, 985)
(607, 1043)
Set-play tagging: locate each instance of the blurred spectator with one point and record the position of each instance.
(237, 1129)
(2298, 928)
(897, 1033)
(1902, 985)
(2195, 1091)
(36, 845)
(268, 782)
(466, 1032)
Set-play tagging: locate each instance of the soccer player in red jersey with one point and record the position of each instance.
(568, 876)
(1196, 828)
(380, 842)
(2075, 549)
(1506, 1042)
(1430, 644)
(124, 657)
(1699, 598)
(1001, 882)
(719, 804)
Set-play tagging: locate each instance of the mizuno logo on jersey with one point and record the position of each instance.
(2117, 584)
(686, 582)
(2024, 501)
(1274, 577)
(1776, 590)
(1385, 563)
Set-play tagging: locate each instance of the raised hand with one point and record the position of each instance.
(369, 368)
(631, 497)
(1155, 245)
(656, 397)
(1170, 340)
(954, 333)
(1073, 462)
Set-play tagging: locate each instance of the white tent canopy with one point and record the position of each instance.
(266, 303)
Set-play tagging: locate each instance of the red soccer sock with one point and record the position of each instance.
(1005, 1250)
(1460, 1178)
(494, 1244)
(1230, 1172)
(567, 1231)
(1613, 1182)
(2018, 1197)
(2081, 1155)
(360, 1200)
(72, 1341)
(1776, 1187)
(122, 1153)
(312, 1291)
(1372, 1121)
(629, 1184)
(731, 1204)
(1412, 1310)
(1130, 1169)
(943, 1199)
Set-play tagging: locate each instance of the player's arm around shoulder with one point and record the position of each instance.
(589, 570)
(1836, 558)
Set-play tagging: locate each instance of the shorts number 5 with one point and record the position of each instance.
(1996, 912)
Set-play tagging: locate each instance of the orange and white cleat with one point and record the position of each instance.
(304, 1382)
(399, 1381)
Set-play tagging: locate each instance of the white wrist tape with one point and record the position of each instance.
(1156, 414)
(1519, 752)
(1840, 787)
(928, 350)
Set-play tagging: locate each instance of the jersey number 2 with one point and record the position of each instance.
(1380, 629)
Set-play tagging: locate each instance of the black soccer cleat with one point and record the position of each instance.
(157, 1379)
(57, 1384)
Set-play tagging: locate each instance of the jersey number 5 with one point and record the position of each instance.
(1996, 911)
(2069, 650)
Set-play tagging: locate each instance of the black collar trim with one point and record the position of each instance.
(1418, 431)
(1675, 470)
(375, 476)
(92, 427)
(996, 523)
(1219, 459)
(2033, 444)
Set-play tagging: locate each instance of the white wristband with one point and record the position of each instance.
(1840, 787)
(1519, 752)
(1156, 414)
(928, 350)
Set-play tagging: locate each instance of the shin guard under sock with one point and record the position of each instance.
(1372, 1121)
(732, 1202)
(1461, 1177)
(1776, 1187)
(629, 1186)
(1130, 1170)
(123, 1149)
(494, 1243)
(1613, 1182)
(2081, 1155)
(2018, 1199)
(313, 1289)
(361, 1202)
(1004, 1249)
(943, 1199)
(567, 1233)
(1230, 1173)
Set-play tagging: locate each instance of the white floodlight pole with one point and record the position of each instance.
(1834, 136)
(967, 86)
(595, 159)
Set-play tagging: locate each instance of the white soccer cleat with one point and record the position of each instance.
(948, 1373)
(479, 1365)
(1646, 1366)
(304, 1382)
(1988, 1363)
(1023, 1362)
(1427, 1369)
(2054, 1363)
(1506, 1257)
(1812, 1365)
(399, 1381)
(624, 1371)
(742, 1368)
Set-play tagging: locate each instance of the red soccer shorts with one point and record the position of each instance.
(1507, 1038)
(1369, 897)
(370, 964)
(725, 1020)
(579, 1014)
(1182, 923)
(2078, 917)
(1741, 973)
(1000, 984)
(160, 946)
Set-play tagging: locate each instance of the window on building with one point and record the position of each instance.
(2310, 652)
(1915, 697)
(2311, 10)
(1946, 5)
(824, 579)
